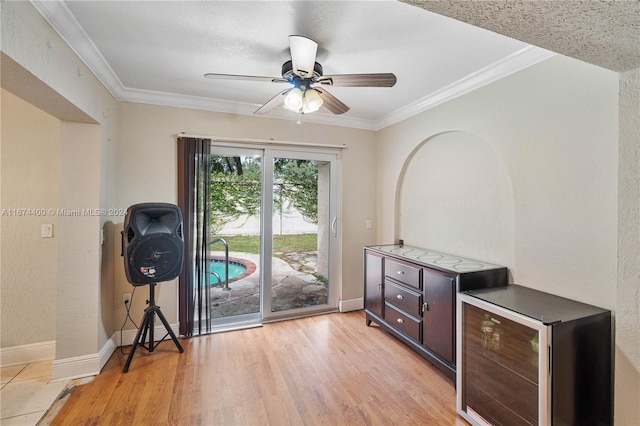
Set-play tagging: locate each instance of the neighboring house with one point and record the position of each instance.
(559, 141)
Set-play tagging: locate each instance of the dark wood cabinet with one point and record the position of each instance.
(527, 357)
(438, 317)
(373, 299)
(411, 293)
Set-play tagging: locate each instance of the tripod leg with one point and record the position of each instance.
(151, 328)
(169, 330)
(143, 329)
(148, 315)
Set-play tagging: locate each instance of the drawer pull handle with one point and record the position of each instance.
(400, 272)
(399, 296)
(400, 320)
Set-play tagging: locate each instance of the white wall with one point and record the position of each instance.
(79, 240)
(29, 178)
(146, 172)
(555, 128)
(456, 194)
(30, 41)
(40, 67)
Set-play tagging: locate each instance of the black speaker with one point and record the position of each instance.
(152, 243)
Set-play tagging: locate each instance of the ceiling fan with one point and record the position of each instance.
(305, 75)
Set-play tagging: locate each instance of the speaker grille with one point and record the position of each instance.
(155, 258)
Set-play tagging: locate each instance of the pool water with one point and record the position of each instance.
(217, 266)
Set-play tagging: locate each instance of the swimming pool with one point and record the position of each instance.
(217, 266)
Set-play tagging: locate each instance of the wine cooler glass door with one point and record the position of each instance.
(503, 365)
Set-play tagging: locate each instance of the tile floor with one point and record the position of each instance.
(27, 393)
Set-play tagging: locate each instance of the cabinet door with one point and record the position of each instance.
(439, 300)
(500, 367)
(373, 292)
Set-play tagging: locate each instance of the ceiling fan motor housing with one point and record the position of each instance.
(288, 74)
(299, 73)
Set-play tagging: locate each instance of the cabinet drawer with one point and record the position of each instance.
(408, 325)
(405, 273)
(405, 299)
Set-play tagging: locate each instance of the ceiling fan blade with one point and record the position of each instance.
(359, 80)
(214, 76)
(272, 103)
(303, 55)
(330, 102)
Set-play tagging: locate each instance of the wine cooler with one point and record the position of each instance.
(527, 357)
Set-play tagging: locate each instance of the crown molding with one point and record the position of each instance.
(234, 107)
(515, 62)
(58, 15)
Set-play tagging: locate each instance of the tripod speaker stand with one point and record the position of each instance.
(146, 328)
(153, 247)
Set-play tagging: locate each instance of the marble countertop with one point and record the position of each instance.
(436, 259)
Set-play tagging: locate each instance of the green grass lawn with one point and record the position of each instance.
(281, 243)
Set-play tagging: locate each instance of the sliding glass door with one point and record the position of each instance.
(234, 223)
(272, 225)
(298, 239)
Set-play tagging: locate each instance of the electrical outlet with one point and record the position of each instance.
(126, 298)
(46, 230)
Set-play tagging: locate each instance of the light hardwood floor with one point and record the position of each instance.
(329, 369)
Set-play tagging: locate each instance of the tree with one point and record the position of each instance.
(235, 188)
(297, 184)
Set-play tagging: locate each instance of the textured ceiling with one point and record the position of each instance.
(603, 33)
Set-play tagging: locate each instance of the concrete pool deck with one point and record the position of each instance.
(293, 286)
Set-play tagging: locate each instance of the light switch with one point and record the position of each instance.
(369, 224)
(47, 230)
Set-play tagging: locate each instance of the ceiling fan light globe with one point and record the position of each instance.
(311, 102)
(288, 108)
(293, 100)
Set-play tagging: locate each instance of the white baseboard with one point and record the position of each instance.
(75, 367)
(352, 304)
(106, 352)
(24, 354)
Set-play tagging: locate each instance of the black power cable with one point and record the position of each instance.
(127, 318)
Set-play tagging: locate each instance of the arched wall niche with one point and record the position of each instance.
(454, 195)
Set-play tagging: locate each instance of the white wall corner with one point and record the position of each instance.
(106, 351)
(82, 366)
(351, 304)
(91, 365)
(24, 354)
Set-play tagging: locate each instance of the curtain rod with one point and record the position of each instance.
(262, 141)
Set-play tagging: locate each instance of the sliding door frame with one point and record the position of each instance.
(270, 150)
(334, 286)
